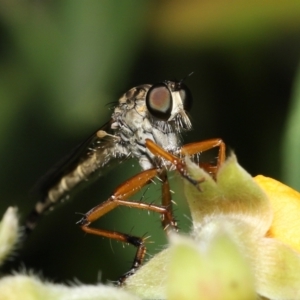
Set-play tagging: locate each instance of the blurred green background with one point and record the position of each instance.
(62, 62)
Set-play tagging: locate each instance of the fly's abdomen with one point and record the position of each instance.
(94, 165)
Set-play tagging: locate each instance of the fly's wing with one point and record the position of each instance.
(86, 162)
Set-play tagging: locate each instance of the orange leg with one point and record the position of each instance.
(198, 147)
(123, 192)
(191, 149)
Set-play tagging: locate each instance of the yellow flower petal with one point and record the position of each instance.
(286, 208)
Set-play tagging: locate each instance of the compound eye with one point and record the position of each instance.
(159, 101)
(186, 97)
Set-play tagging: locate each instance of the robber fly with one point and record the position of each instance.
(146, 124)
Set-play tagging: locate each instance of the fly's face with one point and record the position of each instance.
(169, 101)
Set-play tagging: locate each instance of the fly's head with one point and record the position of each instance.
(164, 104)
(168, 102)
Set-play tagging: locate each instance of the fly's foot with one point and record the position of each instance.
(171, 228)
(196, 183)
(83, 221)
(123, 278)
(169, 224)
(139, 256)
(174, 225)
(181, 167)
(135, 266)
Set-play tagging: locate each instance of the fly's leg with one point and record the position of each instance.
(176, 161)
(190, 149)
(167, 220)
(198, 147)
(119, 198)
